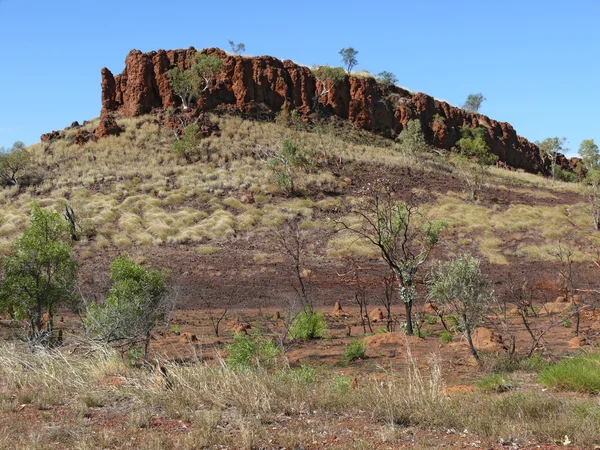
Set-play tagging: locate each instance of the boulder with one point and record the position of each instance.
(188, 338)
(487, 340)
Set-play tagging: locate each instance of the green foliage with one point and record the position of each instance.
(473, 102)
(387, 78)
(580, 374)
(494, 383)
(535, 363)
(237, 49)
(412, 139)
(309, 325)
(249, 352)
(549, 150)
(137, 302)
(284, 164)
(459, 287)
(41, 273)
(14, 164)
(474, 158)
(349, 58)
(301, 375)
(187, 84)
(446, 337)
(190, 145)
(341, 384)
(184, 85)
(590, 159)
(329, 75)
(429, 319)
(355, 350)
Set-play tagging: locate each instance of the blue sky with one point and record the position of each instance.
(535, 61)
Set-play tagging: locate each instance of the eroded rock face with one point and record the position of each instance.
(245, 82)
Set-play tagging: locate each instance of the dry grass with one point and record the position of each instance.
(236, 409)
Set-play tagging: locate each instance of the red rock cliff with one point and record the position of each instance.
(245, 82)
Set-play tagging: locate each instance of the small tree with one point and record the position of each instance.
(14, 163)
(590, 159)
(237, 49)
(40, 274)
(138, 301)
(473, 102)
(188, 84)
(284, 164)
(459, 286)
(387, 78)
(183, 83)
(206, 68)
(549, 150)
(404, 246)
(474, 159)
(412, 139)
(190, 145)
(329, 78)
(349, 58)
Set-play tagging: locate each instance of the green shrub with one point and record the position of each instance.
(248, 352)
(580, 374)
(309, 325)
(302, 375)
(355, 350)
(446, 337)
(494, 383)
(341, 384)
(429, 319)
(535, 363)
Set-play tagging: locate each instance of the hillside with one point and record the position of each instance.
(215, 220)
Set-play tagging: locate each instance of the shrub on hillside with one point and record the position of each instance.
(355, 350)
(249, 352)
(309, 325)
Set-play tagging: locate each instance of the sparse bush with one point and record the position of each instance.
(285, 162)
(15, 165)
(386, 78)
(412, 139)
(190, 145)
(473, 102)
(549, 150)
(249, 352)
(474, 159)
(309, 325)
(355, 350)
(459, 287)
(580, 374)
(237, 49)
(138, 301)
(329, 78)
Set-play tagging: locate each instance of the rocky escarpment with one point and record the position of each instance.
(247, 82)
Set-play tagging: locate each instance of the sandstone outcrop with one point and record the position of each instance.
(247, 82)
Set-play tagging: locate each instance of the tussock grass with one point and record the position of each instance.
(219, 404)
(579, 373)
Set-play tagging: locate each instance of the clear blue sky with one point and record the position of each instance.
(535, 61)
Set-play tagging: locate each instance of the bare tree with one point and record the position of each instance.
(389, 284)
(404, 246)
(564, 255)
(216, 315)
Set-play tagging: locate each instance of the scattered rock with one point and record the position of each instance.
(82, 137)
(430, 308)
(161, 377)
(576, 342)
(47, 137)
(354, 383)
(553, 307)
(107, 127)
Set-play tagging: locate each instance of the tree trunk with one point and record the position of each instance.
(472, 347)
(146, 346)
(409, 324)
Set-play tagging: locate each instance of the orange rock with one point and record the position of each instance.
(561, 299)
(354, 383)
(430, 308)
(576, 342)
(338, 311)
(486, 339)
(188, 338)
(376, 315)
